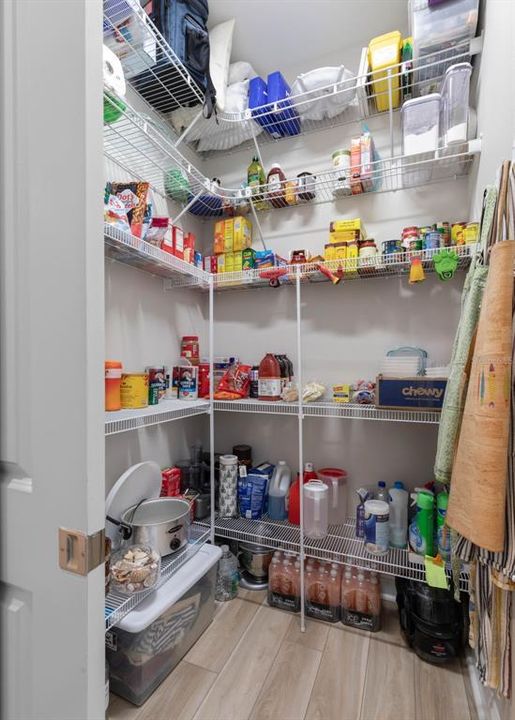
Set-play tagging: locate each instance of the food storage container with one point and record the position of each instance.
(455, 104)
(384, 52)
(336, 481)
(420, 119)
(152, 639)
(316, 509)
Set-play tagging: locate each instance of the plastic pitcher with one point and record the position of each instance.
(316, 509)
(336, 481)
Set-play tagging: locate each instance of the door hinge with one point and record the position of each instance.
(80, 553)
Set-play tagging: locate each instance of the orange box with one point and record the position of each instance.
(218, 246)
(189, 247)
(178, 242)
(355, 166)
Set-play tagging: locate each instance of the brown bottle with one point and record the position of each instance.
(276, 186)
(269, 382)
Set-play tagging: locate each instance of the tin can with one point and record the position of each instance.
(188, 382)
(134, 390)
(411, 238)
(156, 384)
(432, 240)
(377, 536)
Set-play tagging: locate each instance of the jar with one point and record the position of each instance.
(367, 249)
(244, 455)
(228, 492)
(341, 164)
(306, 186)
(190, 349)
(113, 381)
(135, 569)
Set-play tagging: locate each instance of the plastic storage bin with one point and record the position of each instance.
(420, 124)
(258, 99)
(278, 92)
(151, 640)
(384, 52)
(455, 104)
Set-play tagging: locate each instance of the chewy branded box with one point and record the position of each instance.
(410, 393)
(242, 233)
(229, 235)
(248, 258)
(218, 245)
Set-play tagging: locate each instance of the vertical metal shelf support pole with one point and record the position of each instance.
(390, 108)
(211, 405)
(301, 448)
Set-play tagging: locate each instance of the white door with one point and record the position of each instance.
(52, 340)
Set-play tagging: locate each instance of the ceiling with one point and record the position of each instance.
(299, 35)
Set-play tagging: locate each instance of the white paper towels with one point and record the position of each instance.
(113, 73)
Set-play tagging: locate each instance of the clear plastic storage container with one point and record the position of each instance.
(455, 104)
(316, 509)
(420, 124)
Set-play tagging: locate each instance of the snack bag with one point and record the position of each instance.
(235, 383)
(134, 196)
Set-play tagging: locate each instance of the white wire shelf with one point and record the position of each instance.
(130, 250)
(340, 545)
(121, 421)
(149, 63)
(118, 605)
(350, 411)
(348, 101)
(381, 266)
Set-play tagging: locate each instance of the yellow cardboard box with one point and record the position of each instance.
(335, 251)
(229, 235)
(220, 263)
(341, 393)
(238, 261)
(343, 225)
(229, 262)
(242, 233)
(218, 245)
(345, 236)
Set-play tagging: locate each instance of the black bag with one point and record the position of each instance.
(183, 24)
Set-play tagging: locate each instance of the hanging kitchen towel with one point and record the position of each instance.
(457, 382)
(478, 483)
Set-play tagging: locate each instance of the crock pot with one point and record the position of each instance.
(161, 523)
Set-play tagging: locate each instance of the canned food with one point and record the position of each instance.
(432, 240)
(134, 390)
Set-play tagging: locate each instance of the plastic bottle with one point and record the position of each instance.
(228, 577)
(269, 382)
(334, 593)
(361, 595)
(348, 591)
(374, 596)
(443, 532)
(256, 179)
(294, 500)
(398, 515)
(278, 491)
(382, 492)
(283, 366)
(421, 530)
(276, 188)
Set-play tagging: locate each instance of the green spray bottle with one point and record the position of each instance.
(443, 532)
(421, 530)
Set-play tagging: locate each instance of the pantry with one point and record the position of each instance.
(281, 290)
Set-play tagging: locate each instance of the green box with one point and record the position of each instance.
(248, 258)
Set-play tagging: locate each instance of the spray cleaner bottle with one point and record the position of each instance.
(421, 529)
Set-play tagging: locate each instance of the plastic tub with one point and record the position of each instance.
(420, 124)
(455, 104)
(336, 481)
(152, 639)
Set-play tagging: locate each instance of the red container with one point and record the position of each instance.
(178, 242)
(203, 380)
(294, 501)
(189, 248)
(190, 349)
(269, 382)
(170, 482)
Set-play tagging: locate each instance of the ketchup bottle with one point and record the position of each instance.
(294, 502)
(276, 186)
(269, 380)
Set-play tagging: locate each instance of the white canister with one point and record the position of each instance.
(377, 534)
(228, 491)
(341, 165)
(316, 509)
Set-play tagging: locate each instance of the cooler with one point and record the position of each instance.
(151, 640)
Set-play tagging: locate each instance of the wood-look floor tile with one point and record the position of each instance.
(180, 695)
(237, 687)
(315, 636)
(440, 691)
(287, 688)
(213, 648)
(338, 689)
(254, 596)
(120, 709)
(390, 683)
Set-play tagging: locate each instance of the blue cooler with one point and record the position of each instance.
(258, 99)
(279, 91)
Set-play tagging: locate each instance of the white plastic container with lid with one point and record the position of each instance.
(336, 481)
(316, 509)
(420, 124)
(377, 536)
(455, 104)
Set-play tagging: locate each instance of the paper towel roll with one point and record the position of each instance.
(113, 73)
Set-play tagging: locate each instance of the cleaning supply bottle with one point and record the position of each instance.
(269, 379)
(443, 531)
(382, 492)
(278, 491)
(276, 186)
(228, 577)
(398, 515)
(256, 179)
(421, 530)
(294, 502)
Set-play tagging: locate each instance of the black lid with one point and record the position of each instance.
(242, 452)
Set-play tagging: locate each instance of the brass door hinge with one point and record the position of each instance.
(80, 553)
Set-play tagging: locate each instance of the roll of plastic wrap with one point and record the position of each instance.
(114, 78)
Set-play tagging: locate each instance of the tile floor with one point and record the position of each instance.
(253, 663)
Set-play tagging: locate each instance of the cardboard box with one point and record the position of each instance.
(237, 261)
(220, 263)
(206, 263)
(189, 248)
(345, 236)
(229, 262)
(351, 258)
(218, 245)
(167, 242)
(229, 235)
(346, 225)
(341, 393)
(264, 259)
(248, 258)
(410, 393)
(355, 166)
(368, 155)
(335, 251)
(178, 242)
(214, 264)
(242, 233)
